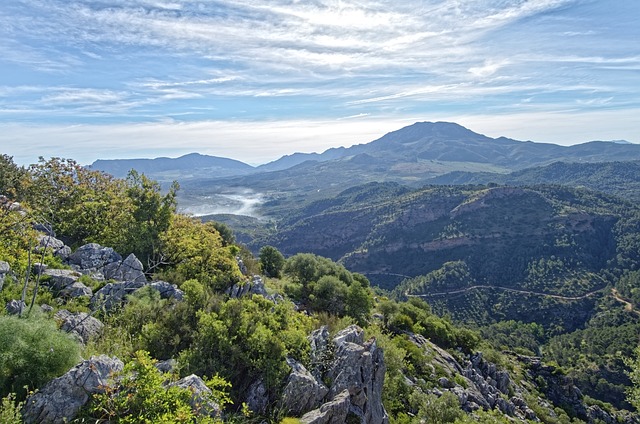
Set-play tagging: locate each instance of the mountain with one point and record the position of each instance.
(193, 165)
(618, 178)
(413, 156)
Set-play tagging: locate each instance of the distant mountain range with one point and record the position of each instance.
(414, 153)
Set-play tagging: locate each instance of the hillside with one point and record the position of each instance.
(205, 332)
(619, 178)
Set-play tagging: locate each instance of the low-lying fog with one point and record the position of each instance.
(241, 202)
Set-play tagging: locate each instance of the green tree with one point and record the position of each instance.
(11, 177)
(195, 251)
(271, 261)
(633, 393)
(151, 214)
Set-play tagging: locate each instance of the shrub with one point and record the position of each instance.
(32, 352)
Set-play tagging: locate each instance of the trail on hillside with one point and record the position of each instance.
(628, 306)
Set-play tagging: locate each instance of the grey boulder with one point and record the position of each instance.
(79, 324)
(334, 412)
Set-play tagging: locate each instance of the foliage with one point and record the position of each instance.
(326, 286)
(247, 339)
(143, 396)
(195, 250)
(11, 177)
(10, 410)
(151, 213)
(271, 261)
(32, 352)
(633, 393)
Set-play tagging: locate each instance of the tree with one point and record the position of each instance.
(151, 214)
(195, 250)
(633, 394)
(11, 177)
(271, 261)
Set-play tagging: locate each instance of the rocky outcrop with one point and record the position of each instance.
(60, 400)
(57, 247)
(92, 256)
(167, 290)
(5, 269)
(64, 283)
(80, 324)
(255, 286)
(302, 392)
(201, 401)
(130, 269)
(15, 307)
(114, 294)
(354, 367)
(334, 412)
(257, 398)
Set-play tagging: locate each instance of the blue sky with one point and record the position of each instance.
(253, 80)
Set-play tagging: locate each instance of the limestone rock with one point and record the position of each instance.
(4, 270)
(302, 392)
(256, 286)
(80, 324)
(57, 247)
(257, 397)
(15, 307)
(60, 400)
(167, 290)
(333, 412)
(352, 365)
(130, 269)
(199, 398)
(76, 290)
(92, 256)
(59, 279)
(114, 294)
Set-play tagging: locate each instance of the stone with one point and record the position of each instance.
(200, 401)
(333, 412)
(302, 392)
(60, 400)
(80, 324)
(257, 397)
(130, 269)
(61, 278)
(4, 270)
(15, 307)
(321, 354)
(167, 366)
(93, 256)
(256, 286)
(46, 308)
(113, 294)
(359, 368)
(75, 290)
(57, 247)
(167, 290)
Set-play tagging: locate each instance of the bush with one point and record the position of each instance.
(143, 397)
(32, 352)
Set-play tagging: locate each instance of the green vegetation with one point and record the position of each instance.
(32, 352)
(530, 271)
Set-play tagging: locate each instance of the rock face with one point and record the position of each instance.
(64, 283)
(130, 269)
(92, 256)
(302, 392)
(60, 400)
(355, 369)
(114, 294)
(334, 412)
(199, 398)
(4, 270)
(80, 324)
(167, 290)
(57, 247)
(256, 286)
(15, 307)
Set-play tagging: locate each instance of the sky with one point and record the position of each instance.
(253, 80)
